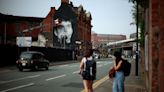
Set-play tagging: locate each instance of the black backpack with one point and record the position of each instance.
(89, 72)
(126, 67)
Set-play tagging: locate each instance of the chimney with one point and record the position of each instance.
(53, 9)
(65, 1)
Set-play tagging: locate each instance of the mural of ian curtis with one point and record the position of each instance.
(63, 32)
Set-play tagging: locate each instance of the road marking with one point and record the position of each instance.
(99, 62)
(63, 65)
(76, 72)
(2, 82)
(18, 87)
(73, 66)
(96, 84)
(99, 65)
(55, 77)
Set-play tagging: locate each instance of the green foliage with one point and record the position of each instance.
(140, 19)
(142, 38)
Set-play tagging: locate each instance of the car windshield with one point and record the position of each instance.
(26, 56)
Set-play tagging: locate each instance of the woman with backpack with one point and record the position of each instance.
(88, 70)
(118, 82)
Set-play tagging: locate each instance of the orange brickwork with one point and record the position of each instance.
(156, 46)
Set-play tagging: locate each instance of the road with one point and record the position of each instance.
(59, 78)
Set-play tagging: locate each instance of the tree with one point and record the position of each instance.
(141, 5)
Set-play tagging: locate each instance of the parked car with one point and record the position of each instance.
(32, 60)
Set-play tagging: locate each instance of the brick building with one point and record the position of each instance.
(102, 39)
(81, 26)
(154, 46)
(84, 27)
(13, 26)
(42, 30)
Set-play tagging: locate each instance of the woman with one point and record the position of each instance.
(118, 83)
(88, 81)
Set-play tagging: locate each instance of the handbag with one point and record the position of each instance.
(111, 73)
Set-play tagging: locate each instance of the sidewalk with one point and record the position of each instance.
(133, 83)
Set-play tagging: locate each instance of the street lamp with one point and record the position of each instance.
(136, 72)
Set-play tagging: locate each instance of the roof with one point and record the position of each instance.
(121, 41)
(6, 17)
(65, 12)
(33, 52)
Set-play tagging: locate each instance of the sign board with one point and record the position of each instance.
(78, 42)
(24, 41)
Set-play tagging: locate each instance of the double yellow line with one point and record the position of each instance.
(97, 83)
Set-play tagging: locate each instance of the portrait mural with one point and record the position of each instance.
(63, 34)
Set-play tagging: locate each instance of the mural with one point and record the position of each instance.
(63, 33)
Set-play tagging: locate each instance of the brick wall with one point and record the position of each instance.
(48, 21)
(161, 47)
(156, 47)
(161, 63)
(14, 25)
(84, 28)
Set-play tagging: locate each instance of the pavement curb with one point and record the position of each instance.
(132, 82)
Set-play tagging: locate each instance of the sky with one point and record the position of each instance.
(108, 16)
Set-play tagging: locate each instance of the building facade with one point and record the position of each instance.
(83, 39)
(67, 27)
(100, 43)
(154, 46)
(17, 26)
(99, 40)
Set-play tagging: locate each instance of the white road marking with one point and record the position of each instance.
(107, 63)
(18, 87)
(55, 77)
(98, 62)
(76, 72)
(73, 66)
(63, 65)
(2, 82)
(99, 65)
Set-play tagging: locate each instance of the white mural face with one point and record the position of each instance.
(64, 32)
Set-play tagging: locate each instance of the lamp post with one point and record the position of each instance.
(136, 72)
(5, 34)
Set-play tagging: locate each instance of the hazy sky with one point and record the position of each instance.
(108, 16)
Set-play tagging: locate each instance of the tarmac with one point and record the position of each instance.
(132, 82)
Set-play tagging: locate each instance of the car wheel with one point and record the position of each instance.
(20, 69)
(47, 66)
(36, 67)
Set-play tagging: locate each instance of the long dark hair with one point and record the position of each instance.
(118, 54)
(88, 53)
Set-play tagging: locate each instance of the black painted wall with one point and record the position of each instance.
(10, 53)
